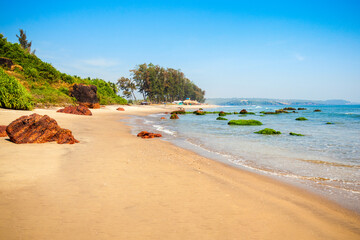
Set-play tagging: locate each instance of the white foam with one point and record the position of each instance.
(162, 129)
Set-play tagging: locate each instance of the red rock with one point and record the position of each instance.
(79, 110)
(162, 118)
(174, 116)
(145, 134)
(120, 109)
(38, 129)
(90, 105)
(166, 113)
(3, 131)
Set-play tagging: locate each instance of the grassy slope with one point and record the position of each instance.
(48, 86)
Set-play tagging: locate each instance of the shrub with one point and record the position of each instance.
(301, 119)
(244, 122)
(268, 131)
(13, 95)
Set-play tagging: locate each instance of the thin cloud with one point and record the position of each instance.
(299, 57)
(100, 62)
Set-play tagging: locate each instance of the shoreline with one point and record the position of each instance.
(113, 184)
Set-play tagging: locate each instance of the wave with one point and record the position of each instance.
(162, 129)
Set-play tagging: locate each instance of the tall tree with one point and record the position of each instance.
(127, 86)
(24, 42)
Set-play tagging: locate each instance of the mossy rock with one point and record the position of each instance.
(222, 114)
(236, 113)
(295, 134)
(301, 119)
(268, 131)
(242, 122)
(221, 118)
(330, 123)
(199, 112)
(174, 116)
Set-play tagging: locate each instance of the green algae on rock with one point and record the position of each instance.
(296, 134)
(268, 131)
(301, 119)
(244, 122)
(221, 118)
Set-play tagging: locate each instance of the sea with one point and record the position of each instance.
(325, 161)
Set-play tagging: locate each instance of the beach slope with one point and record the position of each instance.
(113, 185)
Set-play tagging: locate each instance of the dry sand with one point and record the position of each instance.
(113, 185)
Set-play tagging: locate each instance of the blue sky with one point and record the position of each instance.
(269, 49)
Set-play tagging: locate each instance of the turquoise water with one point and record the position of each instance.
(326, 160)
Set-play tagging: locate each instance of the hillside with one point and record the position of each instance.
(47, 86)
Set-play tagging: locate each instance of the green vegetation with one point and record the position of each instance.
(164, 85)
(222, 114)
(268, 131)
(12, 94)
(48, 86)
(244, 122)
(221, 118)
(301, 119)
(295, 134)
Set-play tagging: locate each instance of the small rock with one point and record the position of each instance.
(174, 116)
(120, 109)
(78, 110)
(145, 134)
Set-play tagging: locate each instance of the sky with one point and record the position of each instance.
(262, 49)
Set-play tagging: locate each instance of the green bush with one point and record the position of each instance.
(268, 131)
(301, 119)
(244, 122)
(13, 95)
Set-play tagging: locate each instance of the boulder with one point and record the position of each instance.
(162, 118)
(301, 108)
(289, 108)
(243, 111)
(317, 110)
(3, 131)
(145, 134)
(85, 95)
(174, 116)
(120, 109)
(79, 110)
(38, 129)
(268, 131)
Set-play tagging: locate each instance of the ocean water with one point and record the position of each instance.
(325, 161)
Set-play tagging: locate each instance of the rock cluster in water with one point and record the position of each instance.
(78, 110)
(145, 134)
(38, 129)
(85, 95)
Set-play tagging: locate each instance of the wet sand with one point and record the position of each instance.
(113, 185)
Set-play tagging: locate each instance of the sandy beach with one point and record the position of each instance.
(113, 185)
